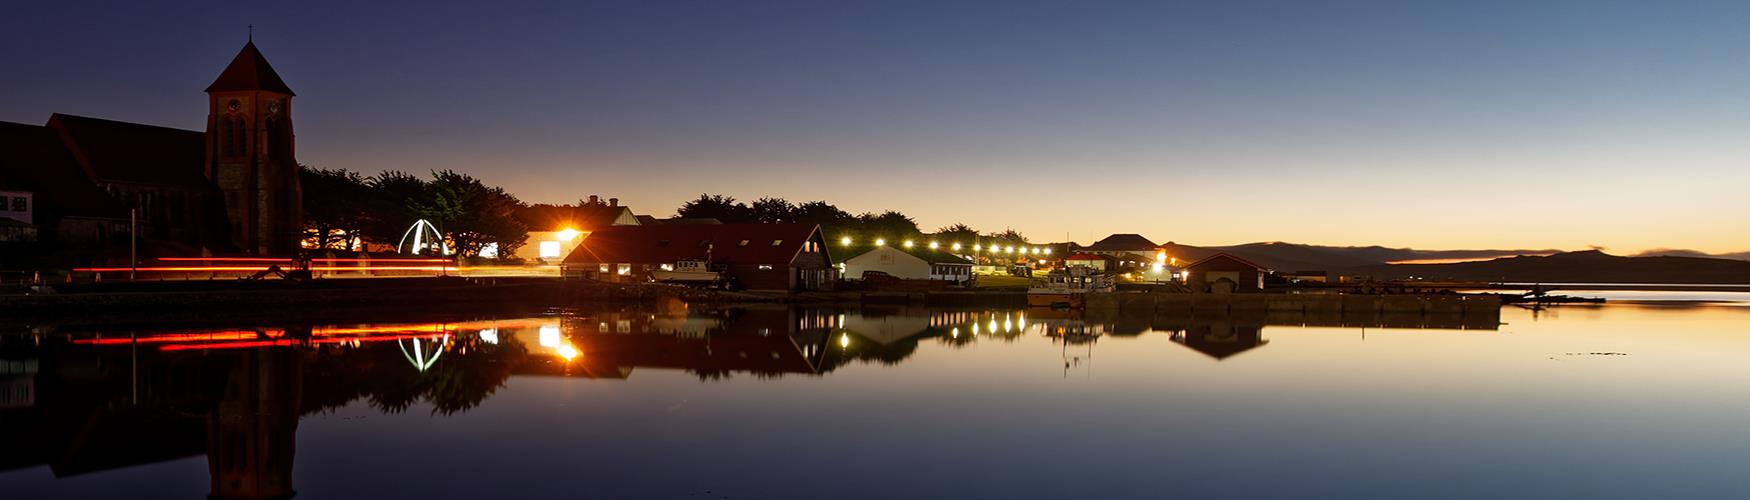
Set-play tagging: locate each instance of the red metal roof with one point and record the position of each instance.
(1126, 242)
(249, 71)
(33, 158)
(1228, 256)
(581, 218)
(135, 153)
(667, 243)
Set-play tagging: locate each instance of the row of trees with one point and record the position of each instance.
(341, 206)
(837, 223)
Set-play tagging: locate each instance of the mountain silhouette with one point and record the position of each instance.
(1590, 266)
(1295, 257)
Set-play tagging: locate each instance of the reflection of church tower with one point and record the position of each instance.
(250, 154)
(252, 432)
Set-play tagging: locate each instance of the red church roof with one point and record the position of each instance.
(115, 151)
(34, 159)
(249, 71)
(667, 243)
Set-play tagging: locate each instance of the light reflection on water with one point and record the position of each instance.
(1621, 401)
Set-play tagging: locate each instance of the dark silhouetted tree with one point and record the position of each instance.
(773, 211)
(396, 201)
(958, 233)
(472, 214)
(335, 206)
(716, 206)
(890, 224)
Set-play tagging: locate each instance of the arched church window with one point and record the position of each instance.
(238, 146)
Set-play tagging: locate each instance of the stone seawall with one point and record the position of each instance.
(1296, 303)
(320, 294)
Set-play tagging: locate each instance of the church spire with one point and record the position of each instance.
(249, 71)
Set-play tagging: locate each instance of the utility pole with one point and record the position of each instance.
(133, 242)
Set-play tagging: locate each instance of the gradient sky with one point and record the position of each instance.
(1522, 124)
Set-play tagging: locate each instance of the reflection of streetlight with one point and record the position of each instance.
(844, 340)
(880, 241)
(846, 241)
(568, 352)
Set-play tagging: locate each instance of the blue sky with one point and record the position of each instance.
(1395, 123)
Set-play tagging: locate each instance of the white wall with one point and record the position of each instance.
(8, 198)
(888, 260)
(531, 250)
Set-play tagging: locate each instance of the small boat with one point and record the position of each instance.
(1068, 288)
(695, 272)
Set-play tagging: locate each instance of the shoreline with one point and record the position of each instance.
(462, 296)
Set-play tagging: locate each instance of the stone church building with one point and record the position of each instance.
(231, 189)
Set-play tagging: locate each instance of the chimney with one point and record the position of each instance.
(613, 202)
(595, 200)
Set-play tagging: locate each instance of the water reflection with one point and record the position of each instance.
(82, 401)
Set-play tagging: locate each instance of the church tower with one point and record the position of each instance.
(250, 155)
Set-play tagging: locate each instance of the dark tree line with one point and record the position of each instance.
(341, 205)
(836, 223)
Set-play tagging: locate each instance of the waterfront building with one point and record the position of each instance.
(915, 263)
(231, 188)
(1225, 273)
(777, 257)
(1129, 251)
(16, 222)
(554, 231)
(1097, 262)
(70, 214)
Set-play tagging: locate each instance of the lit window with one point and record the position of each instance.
(744, 243)
(549, 249)
(765, 267)
(604, 268)
(625, 269)
(777, 242)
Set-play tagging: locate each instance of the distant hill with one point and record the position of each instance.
(1574, 267)
(1678, 252)
(1552, 266)
(1295, 257)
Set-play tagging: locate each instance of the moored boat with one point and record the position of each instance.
(687, 272)
(1068, 288)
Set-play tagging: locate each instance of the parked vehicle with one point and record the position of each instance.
(879, 277)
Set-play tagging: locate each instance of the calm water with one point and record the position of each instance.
(1618, 401)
